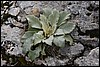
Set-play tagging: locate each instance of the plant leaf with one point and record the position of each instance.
(34, 21)
(28, 34)
(27, 44)
(62, 17)
(38, 37)
(27, 40)
(54, 27)
(45, 25)
(49, 40)
(47, 12)
(53, 17)
(43, 51)
(34, 54)
(69, 38)
(59, 41)
(33, 29)
(59, 32)
(65, 28)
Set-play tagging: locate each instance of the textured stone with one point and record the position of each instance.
(23, 19)
(94, 53)
(11, 35)
(91, 60)
(14, 11)
(87, 51)
(51, 61)
(25, 4)
(86, 12)
(14, 22)
(86, 40)
(28, 10)
(72, 51)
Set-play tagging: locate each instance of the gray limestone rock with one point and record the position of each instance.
(25, 4)
(51, 61)
(28, 10)
(12, 35)
(91, 60)
(86, 40)
(86, 12)
(23, 19)
(94, 53)
(14, 11)
(87, 61)
(72, 51)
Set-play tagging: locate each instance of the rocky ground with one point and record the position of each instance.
(84, 52)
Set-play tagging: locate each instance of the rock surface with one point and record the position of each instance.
(25, 4)
(51, 61)
(14, 11)
(86, 40)
(86, 14)
(91, 60)
(72, 51)
(11, 39)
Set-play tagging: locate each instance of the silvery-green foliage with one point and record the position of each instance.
(50, 28)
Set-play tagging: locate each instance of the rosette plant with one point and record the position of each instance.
(52, 27)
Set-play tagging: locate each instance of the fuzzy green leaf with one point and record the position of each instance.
(69, 38)
(47, 12)
(59, 32)
(59, 41)
(45, 25)
(53, 17)
(65, 28)
(49, 40)
(34, 21)
(33, 29)
(62, 17)
(27, 44)
(34, 54)
(38, 37)
(54, 27)
(28, 34)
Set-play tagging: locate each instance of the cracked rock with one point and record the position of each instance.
(72, 51)
(15, 50)
(87, 13)
(14, 22)
(14, 11)
(28, 10)
(51, 61)
(94, 53)
(91, 60)
(86, 51)
(25, 4)
(86, 40)
(13, 35)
